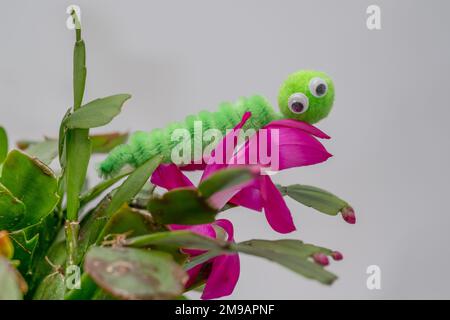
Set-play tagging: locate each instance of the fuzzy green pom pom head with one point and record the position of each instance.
(306, 96)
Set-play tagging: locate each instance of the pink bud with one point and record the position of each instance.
(336, 255)
(349, 215)
(321, 259)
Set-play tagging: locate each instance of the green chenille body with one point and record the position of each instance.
(298, 99)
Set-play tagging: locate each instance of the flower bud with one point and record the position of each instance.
(336, 255)
(321, 259)
(349, 215)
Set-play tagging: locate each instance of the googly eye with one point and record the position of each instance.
(298, 103)
(318, 87)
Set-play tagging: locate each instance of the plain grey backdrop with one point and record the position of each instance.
(389, 125)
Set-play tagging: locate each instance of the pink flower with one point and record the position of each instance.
(222, 271)
(296, 145)
(293, 143)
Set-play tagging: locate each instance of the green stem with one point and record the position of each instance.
(77, 23)
(72, 229)
(97, 190)
(77, 141)
(89, 288)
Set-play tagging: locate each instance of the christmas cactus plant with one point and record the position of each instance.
(125, 238)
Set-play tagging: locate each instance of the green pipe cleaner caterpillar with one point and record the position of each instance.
(305, 95)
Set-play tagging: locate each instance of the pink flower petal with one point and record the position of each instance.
(284, 147)
(169, 176)
(227, 226)
(223, 277)
(297, 148)
(225, 269)
(219, 199)
(224, 150)
(193, 166)
(193, 274)
(290, 123)
(202, 229)
(249, 197)
(277, 213)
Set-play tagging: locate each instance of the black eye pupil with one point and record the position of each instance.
(297, 107)
(320, 90)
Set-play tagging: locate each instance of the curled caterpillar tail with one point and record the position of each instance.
(117, 158)
(141, 147)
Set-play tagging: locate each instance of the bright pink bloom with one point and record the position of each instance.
(224, 269)
(297, 146)
(294, 140)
